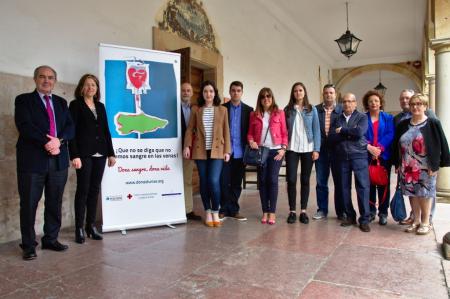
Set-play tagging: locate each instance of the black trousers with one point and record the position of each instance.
(89, 178)
(292, 159)
(31, 186)
(231, 181)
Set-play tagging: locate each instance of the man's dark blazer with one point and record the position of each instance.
(351, 142)
(91, 134)
(33, 124)
(337, 111)
(245, 119)
(183, 126)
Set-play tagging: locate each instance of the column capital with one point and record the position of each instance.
(431, 78)
(440, 45)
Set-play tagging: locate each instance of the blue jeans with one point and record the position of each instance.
(360, 169)
(268, 182)
(324, 164)
(209, 173)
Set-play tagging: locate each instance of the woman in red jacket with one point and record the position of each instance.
(268, 128)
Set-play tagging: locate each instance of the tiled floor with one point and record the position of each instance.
(239, 260)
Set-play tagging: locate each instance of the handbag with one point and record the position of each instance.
(398, 209)
(378, 174)
(256, 157)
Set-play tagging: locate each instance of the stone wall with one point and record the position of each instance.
(10, 87)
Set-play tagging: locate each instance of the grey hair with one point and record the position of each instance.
(411, 91)
(36, 70)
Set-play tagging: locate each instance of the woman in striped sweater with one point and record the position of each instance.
(208, 140)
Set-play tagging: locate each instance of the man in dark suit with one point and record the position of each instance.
(327, 111)
(44, 124)
(348, 134)
(188, 165)
(233, 170)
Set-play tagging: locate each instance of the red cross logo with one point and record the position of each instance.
(129, 196)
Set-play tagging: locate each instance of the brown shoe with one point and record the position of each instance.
(408, 221)
(239, 217)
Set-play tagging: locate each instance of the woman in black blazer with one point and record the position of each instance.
(89, 150)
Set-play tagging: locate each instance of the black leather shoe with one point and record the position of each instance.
(55, 246)
(348, 222)
(303, 218)
(292, 218)
(193, 216)
(79, 235)
(364, 227)
(382, 220)
(92, 232)
(29, 254)
(371, 217)
(342, 217)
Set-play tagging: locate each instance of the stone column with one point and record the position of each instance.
(441, 49)
(431, 90)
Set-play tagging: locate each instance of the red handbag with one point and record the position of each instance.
(378, 174)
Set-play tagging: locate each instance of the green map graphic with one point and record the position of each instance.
(138, 123)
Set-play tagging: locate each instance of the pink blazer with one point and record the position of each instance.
(277, 128)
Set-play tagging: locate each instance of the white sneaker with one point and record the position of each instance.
(319, 215)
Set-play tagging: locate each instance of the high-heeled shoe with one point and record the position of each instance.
(264, 218)
(93, 233)
(79, 235)
(271, 220)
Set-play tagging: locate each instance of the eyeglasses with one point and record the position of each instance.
(266, 96)
(418, 104)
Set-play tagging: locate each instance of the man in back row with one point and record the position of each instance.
(233, 170)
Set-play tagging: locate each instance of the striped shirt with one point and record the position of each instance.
(299, 140)
(208, 124)
(328, 118)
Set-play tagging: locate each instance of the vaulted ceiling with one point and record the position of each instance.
(391, 30)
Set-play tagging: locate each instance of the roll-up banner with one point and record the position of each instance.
(140, 89)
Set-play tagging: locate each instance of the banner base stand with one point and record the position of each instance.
(124, 232)
(170, 225)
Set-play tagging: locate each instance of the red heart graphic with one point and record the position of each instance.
(137, 77)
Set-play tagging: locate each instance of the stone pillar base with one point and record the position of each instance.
(443, 183)
(446, 246)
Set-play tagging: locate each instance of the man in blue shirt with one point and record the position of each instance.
(233, 170)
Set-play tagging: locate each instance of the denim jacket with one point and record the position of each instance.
(311, 122)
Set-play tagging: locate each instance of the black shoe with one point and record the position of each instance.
(55, 246)
(348, 222)
(193, 216)
(79, 235)
(92, 232)
(342, 217)
(371, 217)
(29, 254)
(382, 220)
(292, 218)
(303, 218)
(364, 227)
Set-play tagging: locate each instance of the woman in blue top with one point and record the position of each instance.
(379, 135)
(303, 127)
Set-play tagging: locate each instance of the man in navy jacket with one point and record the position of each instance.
(44, 124)
(328, 111)
(347, 133)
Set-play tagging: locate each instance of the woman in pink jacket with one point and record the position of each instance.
(268, 128)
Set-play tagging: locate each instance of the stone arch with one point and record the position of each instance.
(402, 68)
